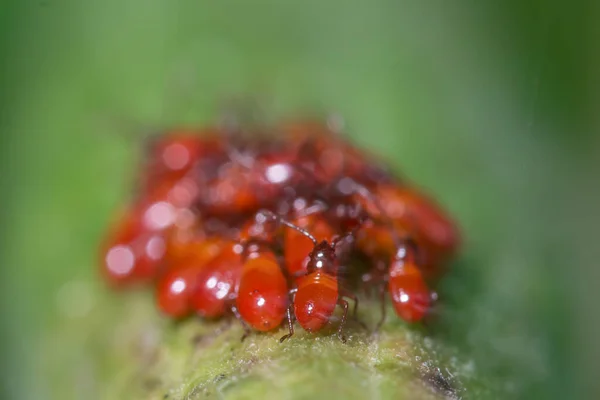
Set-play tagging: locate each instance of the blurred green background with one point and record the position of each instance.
(492, 106)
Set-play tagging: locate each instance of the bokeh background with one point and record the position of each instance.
(492, 106)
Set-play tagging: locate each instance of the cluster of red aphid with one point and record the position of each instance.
(277, 227)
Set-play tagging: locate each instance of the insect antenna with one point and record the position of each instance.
(283, 221)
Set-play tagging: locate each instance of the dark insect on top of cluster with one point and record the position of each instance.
(280, 225)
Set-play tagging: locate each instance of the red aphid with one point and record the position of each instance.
(177, 286)
(410, 295)
(175, 290)
(298, 247)
(132, 252)
(322, 151)
(230, 192)
(218, 283)
(172, 155)
(262, 297)
(412, 208)
(413, 214)
(318, 293)
(136, 246)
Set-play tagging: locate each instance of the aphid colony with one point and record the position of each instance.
(275, 227)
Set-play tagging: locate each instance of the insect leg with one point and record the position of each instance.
(354, 298)
(237, 315)
(344, 304)
(381, 293)
(290, 321)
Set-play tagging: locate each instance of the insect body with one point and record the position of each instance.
(318, 293)
(217, 284)
(262, 298)
(410, 295)
(414, 214)
(298, 247)
(177, 286)
(132, 252)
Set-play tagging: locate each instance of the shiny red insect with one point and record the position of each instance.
(276, 228)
